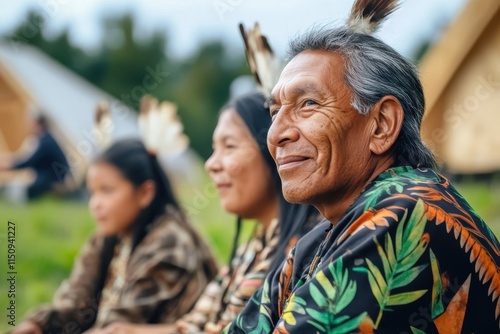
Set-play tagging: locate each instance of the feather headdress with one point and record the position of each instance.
(367, 15)
(161, 128)
(103, 124)
(264, 65)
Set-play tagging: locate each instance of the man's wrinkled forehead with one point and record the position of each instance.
(307, 73)
(295, 87)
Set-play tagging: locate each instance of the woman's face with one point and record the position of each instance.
(238, 169)
(115, 203)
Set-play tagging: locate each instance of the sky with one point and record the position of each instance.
(190, 22)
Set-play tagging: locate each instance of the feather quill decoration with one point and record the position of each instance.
(103, 124)
(367, 15)
(161, 128)
(263, 63)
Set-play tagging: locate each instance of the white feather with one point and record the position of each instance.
(161, 128)
(103, 124)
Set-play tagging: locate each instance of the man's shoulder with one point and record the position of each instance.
(47, 139)
(405, 185)
(425, 195)
(411, 193)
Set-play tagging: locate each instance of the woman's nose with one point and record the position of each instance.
(213, 163)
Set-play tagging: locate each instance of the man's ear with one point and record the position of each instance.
(387, 116)
(146, 193)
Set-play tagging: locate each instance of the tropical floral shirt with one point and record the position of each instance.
(408, 256)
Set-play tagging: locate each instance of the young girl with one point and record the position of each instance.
(145, 263)
(249, 186)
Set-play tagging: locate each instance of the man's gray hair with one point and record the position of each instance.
(374, 70)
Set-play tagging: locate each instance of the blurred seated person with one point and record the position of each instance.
(46, 159)
(144, 260)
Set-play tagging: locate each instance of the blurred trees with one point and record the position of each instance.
(128, 66)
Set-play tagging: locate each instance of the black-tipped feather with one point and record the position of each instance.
(260, 56)
(367, 15)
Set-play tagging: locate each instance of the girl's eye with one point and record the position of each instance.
(107, 189)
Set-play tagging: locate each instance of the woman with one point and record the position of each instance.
(145, 262)
(249, 186)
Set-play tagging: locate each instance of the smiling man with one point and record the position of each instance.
(400, 251)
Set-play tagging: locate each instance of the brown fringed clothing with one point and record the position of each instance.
(164, 277)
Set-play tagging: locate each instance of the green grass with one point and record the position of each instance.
(49, 234)
(51, 231)
(485, 200)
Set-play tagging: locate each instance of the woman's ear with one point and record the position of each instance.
(146, 192)
(387, 115)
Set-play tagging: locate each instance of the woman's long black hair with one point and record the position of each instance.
(292, 217)
(137, 165)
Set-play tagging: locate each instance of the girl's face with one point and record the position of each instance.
(115, 203)
(238, 169)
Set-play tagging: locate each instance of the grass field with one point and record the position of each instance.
(49, 233)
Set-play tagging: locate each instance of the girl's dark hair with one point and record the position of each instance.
(293, 217)
(137, 165)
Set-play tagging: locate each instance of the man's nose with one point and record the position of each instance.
(282, 130)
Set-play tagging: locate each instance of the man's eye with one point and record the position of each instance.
(274, 113)
(309, 103)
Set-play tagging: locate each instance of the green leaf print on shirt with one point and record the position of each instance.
(398, 259)
(264, 323)
(381, 187)
(330, 298)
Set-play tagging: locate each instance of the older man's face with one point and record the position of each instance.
(318, 140)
